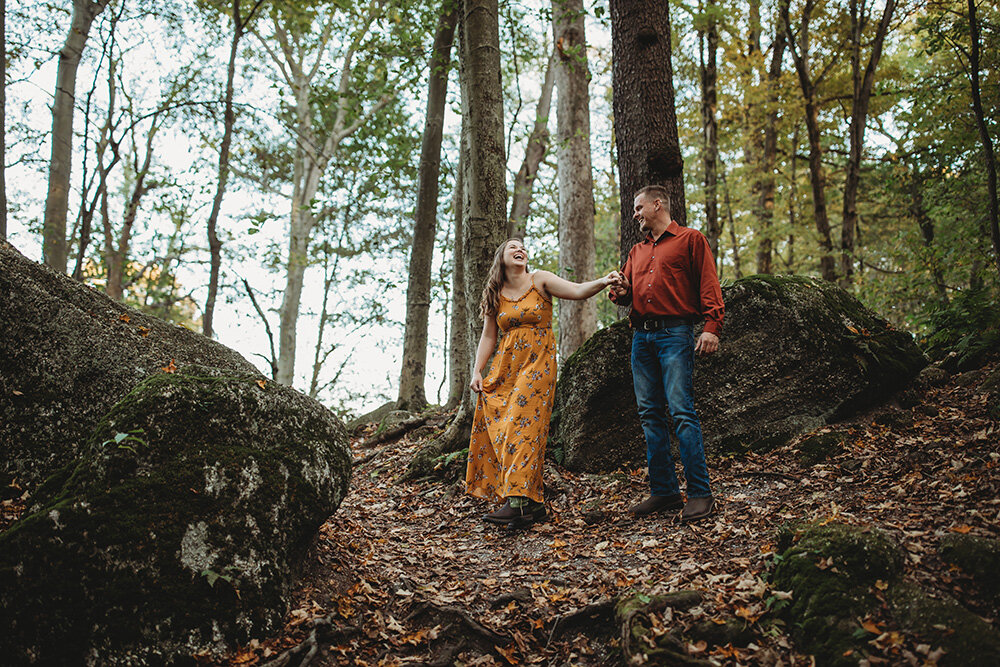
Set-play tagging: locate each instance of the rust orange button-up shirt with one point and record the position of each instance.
(674, 276)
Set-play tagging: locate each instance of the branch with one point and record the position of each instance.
(267, 327)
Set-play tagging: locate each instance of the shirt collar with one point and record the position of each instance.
(672, 228)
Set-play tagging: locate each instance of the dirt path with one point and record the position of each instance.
(409, 573)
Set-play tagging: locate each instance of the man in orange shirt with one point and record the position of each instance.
(669, 280)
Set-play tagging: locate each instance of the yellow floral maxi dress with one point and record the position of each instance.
(511, 425)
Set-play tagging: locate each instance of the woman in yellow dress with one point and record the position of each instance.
(511, 424)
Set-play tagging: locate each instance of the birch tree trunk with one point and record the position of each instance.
(314, 148)
(577, 256)
(412, 395)
(54, 243)
(861, 96)
(534, 153)
(643, 101)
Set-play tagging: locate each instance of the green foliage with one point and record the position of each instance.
(968, 325)
(122, 440)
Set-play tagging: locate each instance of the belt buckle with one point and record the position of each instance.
(649, 325)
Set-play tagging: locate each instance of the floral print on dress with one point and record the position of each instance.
(511, 424)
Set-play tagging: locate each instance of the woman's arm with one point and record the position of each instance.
(564, 289)
(487, 342)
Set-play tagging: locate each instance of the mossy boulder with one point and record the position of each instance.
(817, 447)
(831, 571)
(977, 556)
(67, 354)
(178, 530)
(940, 621)
(796, 354)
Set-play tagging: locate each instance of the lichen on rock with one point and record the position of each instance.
(183, 535)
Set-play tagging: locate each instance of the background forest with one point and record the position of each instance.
(252, 169)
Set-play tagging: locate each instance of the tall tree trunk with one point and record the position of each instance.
(3, 120)
(534, 153)
(926, 225)
(577, 256)
(710, 139)
(458, 351)
(860, 98)
(646, 134)
(313, 152)
(817, 175)
(418, 292)
(214, 244)
(989, 156)
(55, 245)
(117, 258)
(485, 210)
(765, 203)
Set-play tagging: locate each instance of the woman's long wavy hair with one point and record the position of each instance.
(489, 304)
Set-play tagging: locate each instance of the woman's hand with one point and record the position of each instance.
(477, 382)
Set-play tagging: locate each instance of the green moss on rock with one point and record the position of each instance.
(818, 447)
(182, 536)
(830, 571)
(968, 640)
(796, 354)
(978, 556)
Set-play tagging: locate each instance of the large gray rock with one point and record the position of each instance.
(178, 530)
(67, 354)
(796, 353)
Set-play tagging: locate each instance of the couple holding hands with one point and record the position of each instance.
(669, 282)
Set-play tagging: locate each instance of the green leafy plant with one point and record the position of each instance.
(122, 440)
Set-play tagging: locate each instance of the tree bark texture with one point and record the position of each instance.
(710, 138)
(860, 98)
(412, 395)
(458, 351)
(643, 103)
(577, 255)
(765, 202)
(817, 175)
(989, 156)
(484, 222)
(54, 243)
(534, 153)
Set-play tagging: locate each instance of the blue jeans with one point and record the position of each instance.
(662, 363)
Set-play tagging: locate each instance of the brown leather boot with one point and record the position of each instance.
(697, 508)
(658, 504)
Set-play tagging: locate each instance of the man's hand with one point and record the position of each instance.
(707, 343)
(619, 285)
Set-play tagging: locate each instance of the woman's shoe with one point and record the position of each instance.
(524, 515)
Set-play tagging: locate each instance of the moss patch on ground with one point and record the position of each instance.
(831, 571)
(968, 640)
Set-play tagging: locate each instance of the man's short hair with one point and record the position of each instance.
(656, 192)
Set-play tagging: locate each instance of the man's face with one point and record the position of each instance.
(645, 209)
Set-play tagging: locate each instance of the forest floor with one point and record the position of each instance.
(408, 573)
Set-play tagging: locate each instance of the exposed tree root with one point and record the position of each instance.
(323, 632)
